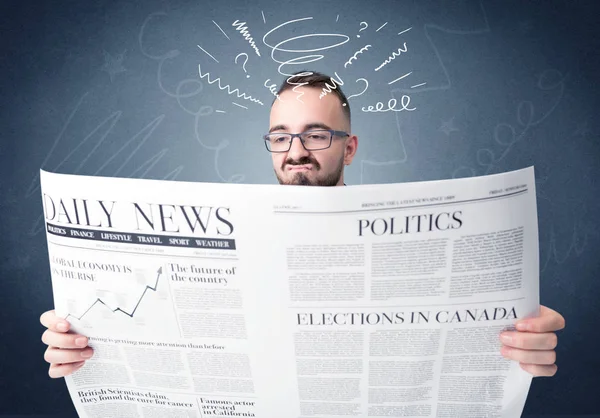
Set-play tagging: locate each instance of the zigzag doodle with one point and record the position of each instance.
(228, 87)
(392, 57)
(244, 31)
(328, 88)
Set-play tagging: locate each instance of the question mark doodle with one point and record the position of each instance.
(367, 25)
(356, 95)
(244, 64)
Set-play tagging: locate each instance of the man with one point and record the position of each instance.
(315, 153)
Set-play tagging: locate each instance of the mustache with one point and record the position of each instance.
(302, 161)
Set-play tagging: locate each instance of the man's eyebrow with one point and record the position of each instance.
(314, 125)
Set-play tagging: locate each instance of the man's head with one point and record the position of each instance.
(303, 110)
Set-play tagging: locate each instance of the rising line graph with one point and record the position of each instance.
(117, 309)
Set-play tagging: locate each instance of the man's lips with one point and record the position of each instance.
(303, 167)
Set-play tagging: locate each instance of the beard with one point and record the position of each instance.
(301, 179)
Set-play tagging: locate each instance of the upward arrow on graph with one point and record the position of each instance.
(159, 272)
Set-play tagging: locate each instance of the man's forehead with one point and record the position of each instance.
(306, 111)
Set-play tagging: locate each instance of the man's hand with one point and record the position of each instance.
(66, 351)
(532, 345)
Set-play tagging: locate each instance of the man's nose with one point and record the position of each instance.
(297, 150)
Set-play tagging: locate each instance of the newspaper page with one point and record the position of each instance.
(230, 300)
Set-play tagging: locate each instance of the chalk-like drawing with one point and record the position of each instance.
(244, 64)
(303, 59)
(392, 57)
(355, 56)
(227, 87)
(244, 32)
(113, 65)
(448, 126)
(328, 87)
(379, 107)
(361, 28)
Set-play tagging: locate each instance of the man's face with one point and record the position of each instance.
(313, 168)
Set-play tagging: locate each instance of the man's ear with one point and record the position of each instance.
(350, 150)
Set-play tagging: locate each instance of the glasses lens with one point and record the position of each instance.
(314, 140)
(278, 142)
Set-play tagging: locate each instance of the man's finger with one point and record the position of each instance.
(543, 357)
(548, 321)
(540, 370)
(58, 356)
(53, 322)
(62, 370)
(61, 340)
(529, 340)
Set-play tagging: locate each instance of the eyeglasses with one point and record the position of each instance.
(313, 140)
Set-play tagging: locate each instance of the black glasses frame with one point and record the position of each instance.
(331, 131)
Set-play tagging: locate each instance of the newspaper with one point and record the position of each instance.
(232, 300)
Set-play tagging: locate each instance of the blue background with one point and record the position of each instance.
(112, 88)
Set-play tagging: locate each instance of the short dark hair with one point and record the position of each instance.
(317, 80)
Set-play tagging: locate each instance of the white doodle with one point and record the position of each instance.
(303, 59)
(361, 28)
(221, 30)
(400, 78)
(381, 27)
(362, 92)
(227, 87)
(244, 64)
(354, 57)
(206, 52)
(244, 32)
(333, 86)
(392, 57)
(272, 88)
(298, 85)
(379, 106)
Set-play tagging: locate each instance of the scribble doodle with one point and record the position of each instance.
(244, 64)
(379, 107)
(298, 85)
(362, 92)
(244, 32)
(237, 104)
(180, 93)
(118, 309)
(417, 85)
(263, 16)
(227, 87)
(361, 28)
(328, 87)
(404, 31)
(272, 88)
(303, 59)
(354, 57)
(392, 57)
